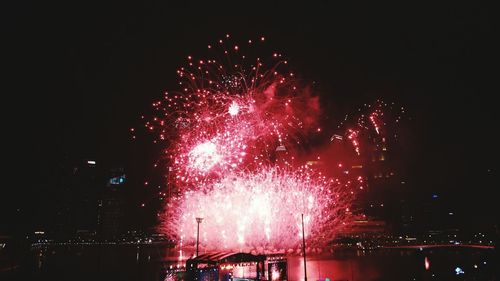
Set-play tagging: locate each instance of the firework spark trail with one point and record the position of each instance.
(372, 126)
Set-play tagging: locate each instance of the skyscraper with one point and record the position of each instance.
(76, 196)
(111, 205)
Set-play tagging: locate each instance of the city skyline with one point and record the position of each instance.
(90, 82)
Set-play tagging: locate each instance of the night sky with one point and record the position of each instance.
(77, 76)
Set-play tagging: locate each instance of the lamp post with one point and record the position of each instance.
(304, 248)
(198, 220)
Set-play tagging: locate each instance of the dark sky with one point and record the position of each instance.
(78, 75)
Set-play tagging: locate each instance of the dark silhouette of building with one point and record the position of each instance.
(111, 205)
(89, 202)
(76, 199)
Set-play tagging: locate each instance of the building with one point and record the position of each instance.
(89, 202)
(75, 199)
(111, 205)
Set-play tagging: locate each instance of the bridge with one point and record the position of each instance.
(471, 246)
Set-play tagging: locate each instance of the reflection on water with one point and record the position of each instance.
(436, 264)
(132, 262)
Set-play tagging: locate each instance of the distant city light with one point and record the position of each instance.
(91, 162)
(458, 270)
(117, 180)
(435, 196)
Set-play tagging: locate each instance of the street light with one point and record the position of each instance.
(198, 220)
(304, 247)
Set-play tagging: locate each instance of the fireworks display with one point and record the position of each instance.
(261, 209)
(374, 126)
(233, 136)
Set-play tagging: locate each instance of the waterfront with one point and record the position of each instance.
(144, 262)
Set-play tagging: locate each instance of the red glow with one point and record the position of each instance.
(231, 136)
